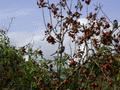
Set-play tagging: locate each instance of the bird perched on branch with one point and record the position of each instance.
(115, 24)
(60, 50)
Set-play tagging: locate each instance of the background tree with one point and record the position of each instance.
(95, 64)
(100, 33)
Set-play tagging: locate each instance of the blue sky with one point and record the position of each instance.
(28, 23)
(28, 15)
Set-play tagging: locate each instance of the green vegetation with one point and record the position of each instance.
(97, 67)
(101, 72)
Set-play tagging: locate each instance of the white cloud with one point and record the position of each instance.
(83, 20)
(8, 13)
(21, 38)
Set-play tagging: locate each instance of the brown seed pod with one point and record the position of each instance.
(87, 2)
(51, 39)
(65, 81)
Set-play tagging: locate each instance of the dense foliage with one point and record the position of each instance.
(101, 72)
(96, 67)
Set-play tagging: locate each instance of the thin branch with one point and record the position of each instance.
(71, 4)
(100, 8)
(11, 21)
(50, 14)
(43, 14)
(70, 49)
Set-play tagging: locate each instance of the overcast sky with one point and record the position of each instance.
(28, 23)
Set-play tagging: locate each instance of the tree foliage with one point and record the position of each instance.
(95, 67)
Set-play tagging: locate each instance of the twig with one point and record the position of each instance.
(9, 26)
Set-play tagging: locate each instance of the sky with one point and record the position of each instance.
(28, 26)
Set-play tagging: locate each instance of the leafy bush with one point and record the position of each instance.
(93, 68)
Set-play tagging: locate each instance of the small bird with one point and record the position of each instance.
(59, 50)
(115, 24)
